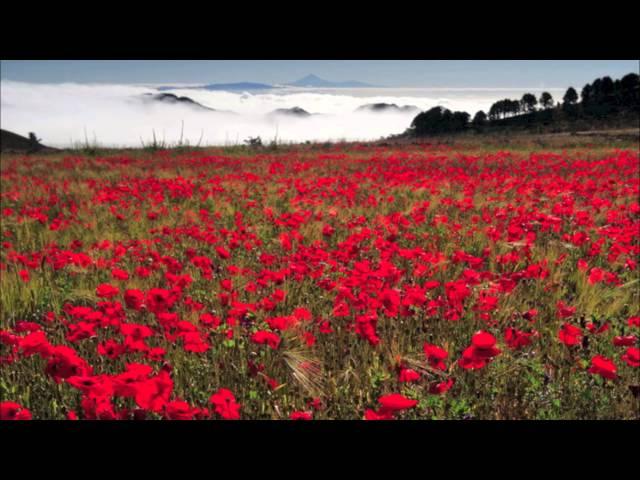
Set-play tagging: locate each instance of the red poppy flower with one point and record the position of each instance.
(379, 415)
(395, 402)
(263, 336)
(135, 331)
(281, 323)
(64, 362)
(442, 387)
(328, 230)
(194, 342)
(111, 349)
(301, 416)
(133, 299)
(156, 354)
(126, 383)
(105, 290)
(517, 339)
(225, 404)
(598, 329)
(35, 342)
(178, 410)
(92, 385)
(407, 375)
(569, 334)
(153, 394)
(315, 403)
(119, 274)
(481, 351)
(565, 311)
(625, 341)
(13, 411)
(159, 300)
(302, 314)
(435, 356)
(309, 339)
(596, 275)
(483, 340)
(604, 367)
(531, 314)
(22, 326)
(632, 357)
(366, 328)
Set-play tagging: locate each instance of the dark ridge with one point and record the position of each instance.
(170, 98)
(386, 107)
(294, 111)
(13, 143)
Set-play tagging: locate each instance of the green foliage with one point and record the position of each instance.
(439, 120)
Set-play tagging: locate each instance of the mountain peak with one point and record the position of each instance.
(312, 78)
(314, 81)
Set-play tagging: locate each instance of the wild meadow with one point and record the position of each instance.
(345, 282)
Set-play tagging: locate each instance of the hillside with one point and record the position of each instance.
(13, 143)
(605, 104)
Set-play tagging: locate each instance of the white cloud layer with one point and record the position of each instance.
(117, 115)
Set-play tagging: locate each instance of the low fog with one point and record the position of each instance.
(121, 115)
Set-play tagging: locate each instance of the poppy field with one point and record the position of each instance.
(349, 282)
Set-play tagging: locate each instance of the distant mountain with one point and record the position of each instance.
(225, 86)
(174, 99)
(238, 86)
(310, 81)
(293, 112)
(313, 81)
(387, 107)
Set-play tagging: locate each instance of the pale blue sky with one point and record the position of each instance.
(388, 73)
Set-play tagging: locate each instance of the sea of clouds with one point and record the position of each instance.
(66, 114)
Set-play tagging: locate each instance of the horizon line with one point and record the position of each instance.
(284, 85)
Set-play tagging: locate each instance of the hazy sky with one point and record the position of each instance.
(391, 73)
